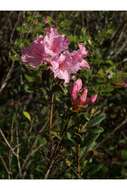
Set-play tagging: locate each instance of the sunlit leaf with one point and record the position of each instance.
(27, 115)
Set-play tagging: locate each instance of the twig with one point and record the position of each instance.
(30, 153)
(56, 151)
(51, 116)
(18, 158)
(14, 28)
(11, 142)
(5, 166)
(12, 66)
(121, 33)
(7, 78)
(49, 169)
(27, 161)
(78, 160)
(33, 150)
(78, 156)
(120, 49)
(5, 139)
(112, 133)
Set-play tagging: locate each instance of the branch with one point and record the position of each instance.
(51, 116)
(8, 144)
(5, 166)
(56, 150)
(78, 160)
(12, 66)
(4, 84)
(112, 133)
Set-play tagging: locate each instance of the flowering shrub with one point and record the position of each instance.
(63, 102)
(52, 49)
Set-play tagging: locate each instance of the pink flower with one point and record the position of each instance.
(34, 55)
(61, 67)
(52, 49)
(79, 95)
(54, 43)
(76, 89)
(93, 99)
(78, 61)
(68, 63)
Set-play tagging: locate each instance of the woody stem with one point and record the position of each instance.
(51, 116)
(78, 160)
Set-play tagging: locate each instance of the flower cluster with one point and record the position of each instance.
(53, 49)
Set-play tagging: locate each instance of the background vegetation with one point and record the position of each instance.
(40, 136)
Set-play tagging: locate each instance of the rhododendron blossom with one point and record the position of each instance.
(34, 55)
(68, 63)
(54, 43)
(77, 59)
(61, 67)
(79, 95)
(44, 48)
(52, 48)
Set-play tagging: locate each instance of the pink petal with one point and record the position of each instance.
(84, 64)
(34, 55)
(75, 89)
(93, 98)
(83, 97)
(54, 42)
(83, 50)
(60, 68)
(78, 62)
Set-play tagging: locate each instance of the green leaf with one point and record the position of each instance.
(69, 137)
(27, 115)
(91, 137)
(124, 154)
(29, 78)
(97, 120)
(42, 141)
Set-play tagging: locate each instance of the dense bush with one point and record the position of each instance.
(41, 135)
